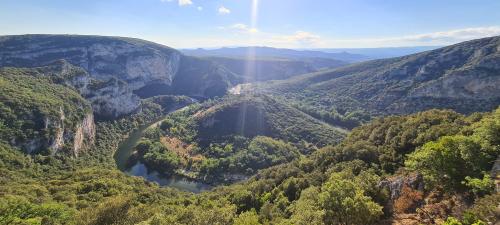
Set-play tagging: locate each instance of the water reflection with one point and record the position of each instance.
(178, 182)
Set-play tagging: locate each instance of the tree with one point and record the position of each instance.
(247, 218)
(18, 210)
(450, 159)
(480, 187)
(344, 202)
(307, 210)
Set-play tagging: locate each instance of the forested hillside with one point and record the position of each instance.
(464, 77)
(229, 139)
(373, 176)
(409, 140)
(40, 116)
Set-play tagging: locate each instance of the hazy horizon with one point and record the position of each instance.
(296, 24)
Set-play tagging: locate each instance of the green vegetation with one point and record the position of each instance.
(334, 185)
(281, 152)
(225, 140)
(349, 95)
(252, 115)
(33, 108)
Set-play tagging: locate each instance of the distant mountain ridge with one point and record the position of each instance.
(268, 52)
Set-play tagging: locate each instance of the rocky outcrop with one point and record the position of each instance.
(71, 139)
(109, 99)
(495, 173)
(117, 68)
(84, 134)
(395, 184)
(464, 77)
(42, 114)
(133, 61)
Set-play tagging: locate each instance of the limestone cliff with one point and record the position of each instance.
(40, 115)
(119, 69)
(464, 77)
(72, 139)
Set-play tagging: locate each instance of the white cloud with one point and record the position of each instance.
(455, 35)
(223, 10)
(242, 35)
(436, 38)
(185, 2)
(301, 38)
(180, 2)
(240, 27)
(199, 8)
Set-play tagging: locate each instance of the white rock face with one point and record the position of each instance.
(136, 63)
(84, 134)
(78, 138)
(119, 68)
(58, 141)
(131, 63)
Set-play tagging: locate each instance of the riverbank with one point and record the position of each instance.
(134, 167)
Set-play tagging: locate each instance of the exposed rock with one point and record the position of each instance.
(84, 134)
(112, 98)
(58, 118)
(78, 138)
(495, 173)
(120, 66)
(58, 139)
(109, 99)
(395, 184)
(464, 77)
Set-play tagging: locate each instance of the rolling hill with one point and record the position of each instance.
(253, 115)
(229, 139)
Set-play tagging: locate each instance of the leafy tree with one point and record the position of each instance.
(450, 159)
(480, 187)
(307, 209)
(18, 210)
(344, 202)
(247, 218)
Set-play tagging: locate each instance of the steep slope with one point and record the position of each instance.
(262, 69)
(252, 115)
(464, 77)
(131, 64)
(38, 115)
(229, 139)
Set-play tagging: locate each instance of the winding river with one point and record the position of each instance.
(126, 149)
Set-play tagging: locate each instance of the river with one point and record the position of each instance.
(126, 149)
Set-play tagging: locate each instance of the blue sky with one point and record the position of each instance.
(277, 23)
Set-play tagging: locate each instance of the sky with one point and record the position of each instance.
(274, 23)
